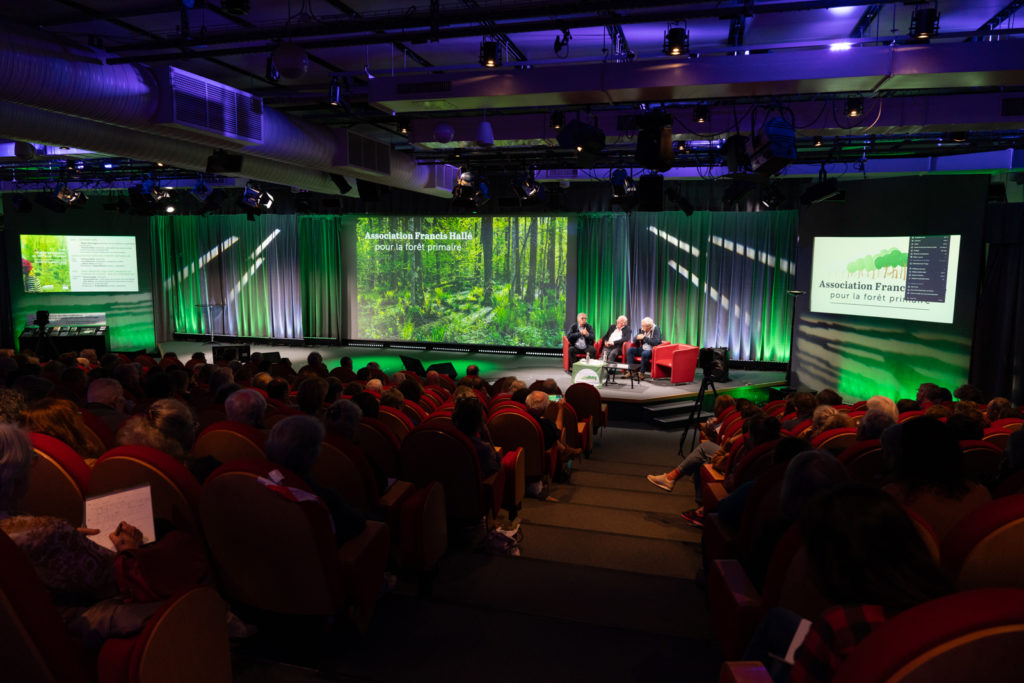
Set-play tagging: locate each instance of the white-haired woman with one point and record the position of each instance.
(644, 342)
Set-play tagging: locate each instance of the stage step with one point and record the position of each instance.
(672, 415)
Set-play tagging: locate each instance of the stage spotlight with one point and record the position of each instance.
(255, 198)
(677, 41)
(402, 126)
(557, 119)
(582, 137)
(826, 188)
(771, 197)
(818, 141)
(623, 186)
(701, 113)
(471, 190)
(527, 188)
(490, 54)
(71, 197)
(924, 23)
(959, 136)
(201, 191)
(334, 91)
(854, 106)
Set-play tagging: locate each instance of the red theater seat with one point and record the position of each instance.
(678, 362)
(58, 483)
(227, 440)
(986, 548)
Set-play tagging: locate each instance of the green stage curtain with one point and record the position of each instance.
(322, 280)
(247, 270)
(710, 279)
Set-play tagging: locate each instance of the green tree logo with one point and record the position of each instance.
(890, 263)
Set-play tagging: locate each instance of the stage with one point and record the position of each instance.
(624, 401)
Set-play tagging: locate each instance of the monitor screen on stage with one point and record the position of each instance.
(901, 278)
(79, 263)
(489, 280)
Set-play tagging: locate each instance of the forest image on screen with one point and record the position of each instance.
(497, 280)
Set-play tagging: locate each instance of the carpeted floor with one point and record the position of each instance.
(603, 591)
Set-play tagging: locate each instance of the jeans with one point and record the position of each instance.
(645, 357)
(692, 462)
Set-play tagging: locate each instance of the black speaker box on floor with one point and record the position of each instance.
(444, 369)
(413, 365)
(230, 352)
(715, 363)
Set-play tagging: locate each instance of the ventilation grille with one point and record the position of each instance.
(369, 154)
(443, 176)
(197, 103)
(559, 173)
(421, 88)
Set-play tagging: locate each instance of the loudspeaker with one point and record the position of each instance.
(413, 365)
(654, 148)
(444, 369)
(230, 352)
(715, 363)
(272, 356)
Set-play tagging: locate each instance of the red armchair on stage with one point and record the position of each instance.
(676, 361)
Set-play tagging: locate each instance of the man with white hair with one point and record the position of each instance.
(614, 338)
(246, 406)
(644, 342)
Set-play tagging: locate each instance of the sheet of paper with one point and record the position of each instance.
(106, 511)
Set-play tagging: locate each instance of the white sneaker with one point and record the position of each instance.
(662, 481)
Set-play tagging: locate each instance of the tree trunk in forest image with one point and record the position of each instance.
(531, 279)
(551, 253)
(486, 242)
(515, 258)
(417, 269)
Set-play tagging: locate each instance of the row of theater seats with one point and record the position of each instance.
(975, 633)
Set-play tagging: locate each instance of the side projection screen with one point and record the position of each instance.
(902, 278)
(495, 280)
(79, 263)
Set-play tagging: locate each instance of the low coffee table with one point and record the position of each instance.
(615, 368)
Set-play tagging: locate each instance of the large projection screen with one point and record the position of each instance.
(61, 264)
(477, 280)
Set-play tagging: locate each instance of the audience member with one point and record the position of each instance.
(821, 415)
(968, 392)
(315, 362)
(368, 404)
(963, 428)
(886, 405)
(828, 397)
(167, 425)
(246, 406)
(873, 423)
(60, 419)
(468, 418)
(930, 476)
(375, 385)
(105, 400)
(392, 398)
(804, 404)
(311, 395)
(906, 405)
(12, 406)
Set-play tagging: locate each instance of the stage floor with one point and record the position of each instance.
(746, 383)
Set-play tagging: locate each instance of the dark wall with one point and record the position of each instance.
(129, 314)
(863, 356)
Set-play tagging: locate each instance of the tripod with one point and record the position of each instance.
(44, 347)
(698, 405)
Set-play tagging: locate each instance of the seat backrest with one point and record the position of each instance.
(437, 452)
(397, 421)
(35, 645)
(982, 459)
(864, 460)
(175, 492)
(375, 437)
(910, 415)
(753, 462)
(835, 440)
(338, 469)
(1010, 424)
(270, 552)
(972, 635)
(774, 408)
(586, 399)
(986, 548)
(513, 428)
(225, 441)
(414, 411)
(58, 482)
(99, 428)
(997, 437)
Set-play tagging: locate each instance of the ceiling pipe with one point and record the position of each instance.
(74, 82)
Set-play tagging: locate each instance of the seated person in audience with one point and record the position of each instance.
(968, 392)
(77, 572)
(12, 406)
(167, 425)
(581, 338)
(316, 362)
(617, 335)
(261, 380)
(352, 388)
(310, 396)
(537, 403)
(335, 388)
(468, 418)
(368, 404)
(928, 393)
(866, 556)
(1014, 460)
(277, 390)
(828, 397)
(130, 376)
(342, 418)
(644, 342)
(711, 428)
(906, 405)
(105, 400)
(433, 378)
(294, 443)
(873, 423)
(411, 390)
(198, 358)
(804, 404)
(246, 406)
(690, 465)
(821, 415)
(998, 408)
(392, 398)
(885, 404)
(938, 411)
(375, 385)
(60, 419)
(963, 428)
(838, 421)
(930, 476)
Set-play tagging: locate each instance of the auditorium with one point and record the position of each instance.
(484, 340)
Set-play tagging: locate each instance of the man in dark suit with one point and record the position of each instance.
(581, 337)
(614, 338)
(644, 342)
